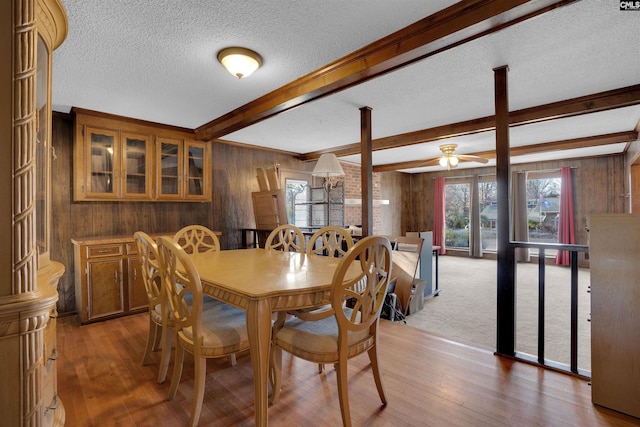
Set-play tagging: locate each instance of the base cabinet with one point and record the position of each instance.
(108, 280)
(614, 245)
(52, 408)
(28, 352)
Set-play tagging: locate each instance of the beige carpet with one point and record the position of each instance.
(465, 311)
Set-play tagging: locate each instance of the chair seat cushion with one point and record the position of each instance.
(316, 341)
(224, 330)
(156, 314)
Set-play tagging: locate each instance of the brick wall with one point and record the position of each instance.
(352, 190)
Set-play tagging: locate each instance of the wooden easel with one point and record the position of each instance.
(269, 205)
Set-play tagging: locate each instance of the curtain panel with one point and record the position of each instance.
(475, 231)
(438, 215)
(566, 220)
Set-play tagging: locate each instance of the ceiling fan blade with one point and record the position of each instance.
(470, 158)
(430, 162)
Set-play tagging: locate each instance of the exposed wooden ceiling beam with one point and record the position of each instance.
(568, 144)
(445, 29)
(602, 101)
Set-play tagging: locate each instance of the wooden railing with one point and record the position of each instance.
(573, 250)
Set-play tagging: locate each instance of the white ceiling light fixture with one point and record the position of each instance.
(240, 61)
(328, 167)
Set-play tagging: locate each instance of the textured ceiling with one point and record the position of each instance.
(155, 60)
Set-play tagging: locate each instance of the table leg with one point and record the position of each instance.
(259, 331)
(436, 292)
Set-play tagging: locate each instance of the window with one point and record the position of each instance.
(543, 208)
(457, 207)
(488, 205)
(296, 186)
(297, 191)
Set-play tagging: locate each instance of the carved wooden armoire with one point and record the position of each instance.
(29, 31)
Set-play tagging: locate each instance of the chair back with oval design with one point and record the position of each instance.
(366, 291)
(197, 238)
(287, 238)
(332, 241)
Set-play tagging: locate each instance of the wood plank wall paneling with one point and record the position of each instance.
(231, 209)
(599, 189)
(634, 191)
(394, 187)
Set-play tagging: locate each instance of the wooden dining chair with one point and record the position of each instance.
(197, 238)
(331, 240)
(287, 238)
(218, 332)
(342, 332)
(149, 262)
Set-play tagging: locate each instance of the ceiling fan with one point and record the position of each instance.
(451, 160)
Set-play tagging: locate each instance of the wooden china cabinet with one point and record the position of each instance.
(120, 159)
(29, 31)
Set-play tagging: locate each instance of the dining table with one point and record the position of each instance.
(262, 282)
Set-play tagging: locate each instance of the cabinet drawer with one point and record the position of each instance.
(132, 249)
(99, 251)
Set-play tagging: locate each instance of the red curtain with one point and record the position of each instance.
(438, 215)
(566, 226)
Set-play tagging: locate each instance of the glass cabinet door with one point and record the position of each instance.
(170, 165)
(137, 165)
(43, 161)
(101, 163)
(195, 169)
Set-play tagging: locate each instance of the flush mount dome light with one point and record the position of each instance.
(239, 61)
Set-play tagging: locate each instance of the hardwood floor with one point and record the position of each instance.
(429, 382)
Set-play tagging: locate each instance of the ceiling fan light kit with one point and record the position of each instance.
(450, 160)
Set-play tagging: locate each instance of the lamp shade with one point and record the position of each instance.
(328, 166)
(239, 61)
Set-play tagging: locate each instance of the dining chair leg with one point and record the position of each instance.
(200, 376)
(177, 371)
(373, 356)
(232, 359)
(275, 373)
(343, 392)
(152, 342)
(165, 353)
